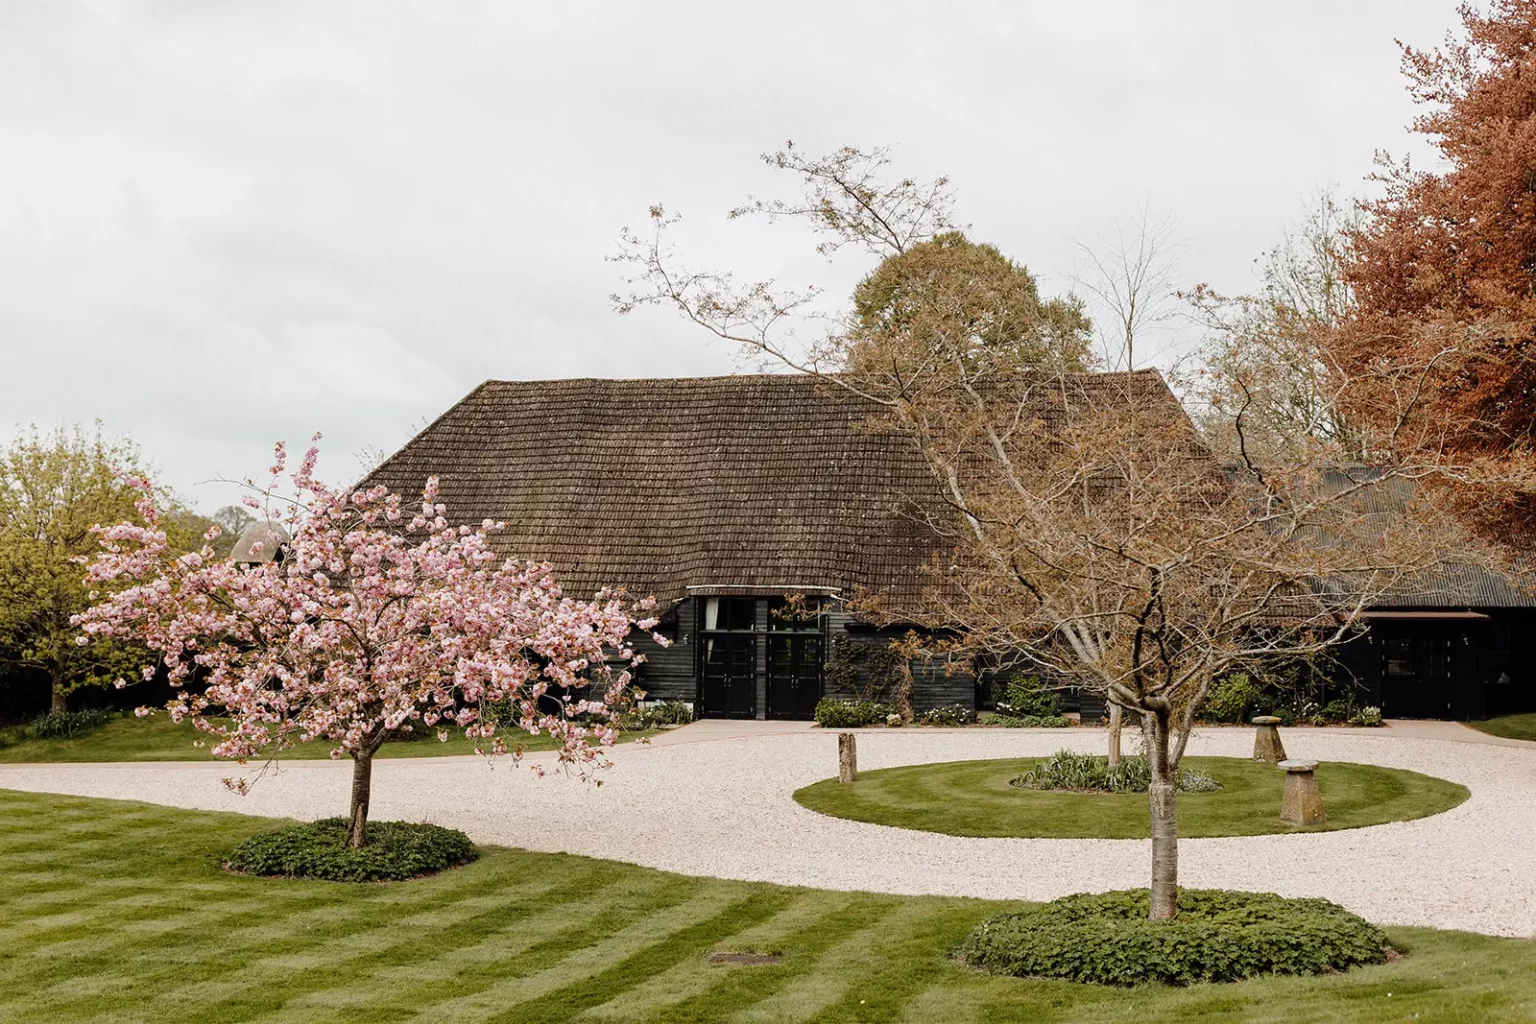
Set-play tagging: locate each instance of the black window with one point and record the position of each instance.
(728, 614)
(1399, 657)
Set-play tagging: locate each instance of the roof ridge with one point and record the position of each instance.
(792, 375)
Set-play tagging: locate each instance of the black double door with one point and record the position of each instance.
(794, 676)
(728, 676)
(1416, 675)
(759, 657)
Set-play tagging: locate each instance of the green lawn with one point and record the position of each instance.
(1511, 727)
(973, 798)
(157, 738)
(117, 911)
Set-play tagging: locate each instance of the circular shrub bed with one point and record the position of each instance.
(977, 799)
(1105, 938)
(395, 850)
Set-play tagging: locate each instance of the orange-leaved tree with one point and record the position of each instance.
(1443, 268)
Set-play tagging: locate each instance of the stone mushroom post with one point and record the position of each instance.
(1266, 739)
(847, 758)
(1302, 804)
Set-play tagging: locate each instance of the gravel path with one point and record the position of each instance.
(722, 807)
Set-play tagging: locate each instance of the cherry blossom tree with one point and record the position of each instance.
(376, 619)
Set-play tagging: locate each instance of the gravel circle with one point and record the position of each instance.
(723, 808)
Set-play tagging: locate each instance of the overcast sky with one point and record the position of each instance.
(224, 222)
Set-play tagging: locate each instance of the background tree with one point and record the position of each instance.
(1441, 270)
(1132, 277)
(233, 520)
(933, 289)
(991, 303)
(1268, 372)
(1091, 527)
(53, 488)
(376, 620)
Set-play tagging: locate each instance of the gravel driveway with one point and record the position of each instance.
(722, 807)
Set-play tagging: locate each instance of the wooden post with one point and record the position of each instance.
(1114, 734)
(847, 758)
(1302, 804)
(1266, 740)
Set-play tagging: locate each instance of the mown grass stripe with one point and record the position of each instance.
(536, 939)
(689, 978)
(842, 967)
(601, 942)
(691, 940)
(391, 943)
(736, 988)
(289, 922)
(502, 952)
(909, 959)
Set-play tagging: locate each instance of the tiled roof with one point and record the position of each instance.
(1448, 585)
(741, 484)
(756, 482)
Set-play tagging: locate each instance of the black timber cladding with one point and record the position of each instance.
(671, 673)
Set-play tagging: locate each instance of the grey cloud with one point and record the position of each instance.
(221, 224)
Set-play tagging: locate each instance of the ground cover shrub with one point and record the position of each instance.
(1368, 716)
(1234, 697)
(1294, 698)
(849, 714)
(395, 850)
(1298, 712)
(1301, 709)
(67, 725)
(669, 712)
(948, 715)
(1218, 935)
(1337, 712)
(656, 715)
(1028, 697)
(1067, 769)
(1024, 722)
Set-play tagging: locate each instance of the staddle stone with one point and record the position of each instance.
(847, 758)
(1266, 739)
(1302, 804)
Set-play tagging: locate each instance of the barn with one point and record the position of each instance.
(755, 507)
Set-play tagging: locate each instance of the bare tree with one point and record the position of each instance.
(1268, 361)
(1091, 527)
(371, 456)
(1132, 277)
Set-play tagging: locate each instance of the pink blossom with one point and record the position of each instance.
(372, 622)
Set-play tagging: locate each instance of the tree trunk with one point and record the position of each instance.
(904, 691)
(1114, 735)
(1162, 796)
(362, 781)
